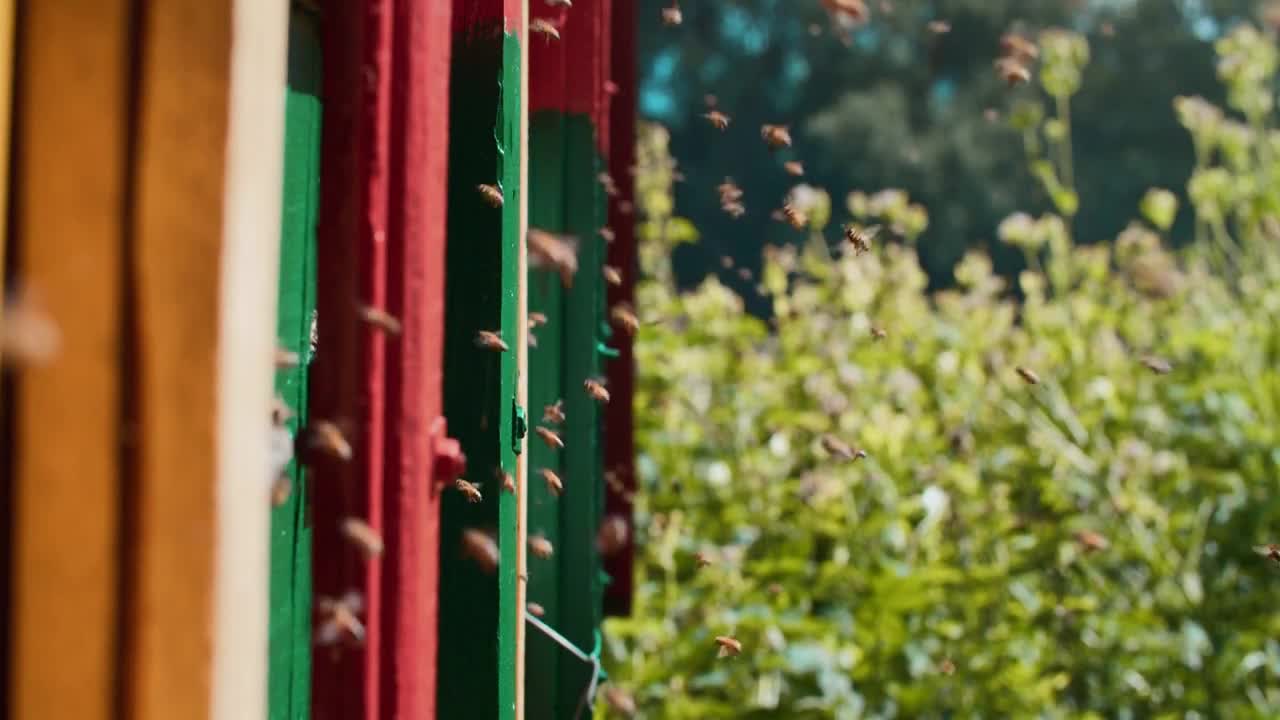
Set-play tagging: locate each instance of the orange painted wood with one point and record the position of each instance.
(69, 238)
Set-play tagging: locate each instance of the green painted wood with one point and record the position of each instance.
(547, 296)
(476, 673)
(289, 680)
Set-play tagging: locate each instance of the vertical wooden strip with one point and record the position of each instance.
(250, 223)
(522, 372)
(7, 11)
(290, 622)
(419, 132)
(70, 193)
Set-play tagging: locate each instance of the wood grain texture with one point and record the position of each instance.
(70, 194)
(7, 17)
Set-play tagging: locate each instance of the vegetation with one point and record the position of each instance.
(1081, 546)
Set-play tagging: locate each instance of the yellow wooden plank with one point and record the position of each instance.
(522, 365)
(70, 179)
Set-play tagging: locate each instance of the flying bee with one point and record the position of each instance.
(860, 237)
(535, 609)
(1017, 47)
(540, 546)
(947, 667)
(280, 412)
(624, 317)
(729, 647)
(729, 191)
(793, 167)
(718, 120)
(1270, 551)
(597, 390)
(380, 319)
(734, 210)
(490, 340)
(1091, 541)
(701, 559)
(281, 489)
(508, 481)
(878, 333)
(841, 449)
(326, 436)
(794, 217)
(285, 359)
(606, 181)
(28, 334)
(553, 413)
(491, 195)
(612, 275)
(1012, 71)
(671, 16)
(550, 437)
(363, 536)
(480, 548)
(1159, 366)
(552, 251)
(612, 535)
(775, 136)
(560, 3)
(536, 319)
(1028, 375)
(544, 27)
(607, 234)
(339, 618)
(939, 27)
(554, 485)
(470, 491)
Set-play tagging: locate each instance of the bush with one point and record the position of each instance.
(1080, 547)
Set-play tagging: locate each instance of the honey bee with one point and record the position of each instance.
(729, 647)
(734, 210)
(535, 609)
(531, 339)
(612, 535)
(1270, 551)
(776, 136)
(545, 28)
(625, 207)
(326, 436)
(597, 390)
(860, 237)
(553, 413)
(606, 181)
(540, 546)
(607, 234)
(281, 489)
(491, 194)
(620, 700)
(793, 167)
(1028, 375)
(554, 486)
(611, 88)
(991, 114)
(1157, 365)
(470, 491)
(285, 359)
(28, 334)
(560, 3)
(1012, 71)
(339, 619)
(1091, 541)
(553, 252)
(729, 191)
(939, 27)
(550, 437)
(794, 217)
(508, 481)
(878, 333)
(855, 10)
(726, 262)
(490, 340)
(536, 319)
(612, 275)
(481, 548)
(947, 667)
(701, 559)
(380, 319)
(718, 120)
(841, 449)
(624, 317)
(1017, 47)
(363, 536)
(671, 16)
(280, 412)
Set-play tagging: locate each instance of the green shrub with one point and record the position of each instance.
(946, 573)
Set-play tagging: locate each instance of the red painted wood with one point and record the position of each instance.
(415, 285)
(570, 74)
(490, 13)
(348, 379)
(619, 448)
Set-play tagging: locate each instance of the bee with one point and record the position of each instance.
(991, 114)
(280, 412)
(380, 319)
(490, 340)
(1270, 551)
(1017, 47)
(540, 546)
(729, 647)
(281, 489)
(775, 136)
(606, 181)
(607, 234)
(481, 548)
(1012, 71)
(286, 359)
(624, 317)
(326, 436)
(508, 481)
(878, 333)
(363, 536)
(841, 449)
(701, 559)
(612, 275)
(1091, 541)
(536, 319)
(531, 339)
(1159, 366)
(553, 413)
(1109, 30)
(560, 3)
(947, 667)
(734, 210)
(794, 217)
(718, 120)
(550, 437)
(710, 101)
(726, 262)
(612, 535)
(339, 618)
(620, 700)
(625, 207)
(470, 491)
(554, 486)
(854, 10)
(491, 195)
(1028, 375)
(535, 609)
(545, 28)
(553, 252)
(28, 334)
(671, 16)
(596, 389)
(729, 191)
(939, 27)
(860, 237)
(793, 167)
(611, 87)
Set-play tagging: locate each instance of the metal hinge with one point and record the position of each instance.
(519, 427)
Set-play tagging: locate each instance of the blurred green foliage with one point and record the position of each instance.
(1076, 548)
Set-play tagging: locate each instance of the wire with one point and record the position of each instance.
(592, 659)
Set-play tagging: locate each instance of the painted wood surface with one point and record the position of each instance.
(7, 12)
(71, 125)
(479, 612)
(291, 523)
